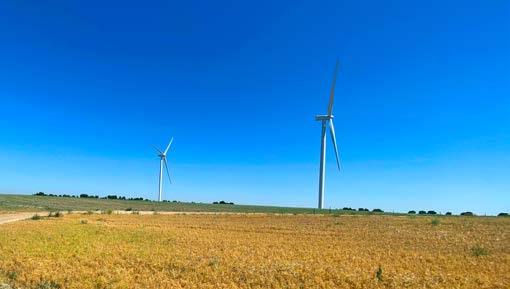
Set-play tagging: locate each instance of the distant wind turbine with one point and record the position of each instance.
(329, 119)
(162, 159)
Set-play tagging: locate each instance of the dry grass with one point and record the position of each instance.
(255, 251)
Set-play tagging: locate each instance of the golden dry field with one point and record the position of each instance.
(256, 251)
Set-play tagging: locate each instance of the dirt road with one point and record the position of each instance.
(13, 217)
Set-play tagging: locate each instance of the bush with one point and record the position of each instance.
(467, 214)
(84, 196)
(411, 212)
(448, 213)
(503, 215)
(40, 194)
(377, 211)
(36, 217)
(431, 213)
(129, 209)
(363, 209)
(422, 212)
(435, 222)
(84, 221)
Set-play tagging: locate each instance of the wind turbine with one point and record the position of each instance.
(327, 119)
(162, 159)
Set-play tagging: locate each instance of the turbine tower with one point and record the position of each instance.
(327, 119)
(162, 159)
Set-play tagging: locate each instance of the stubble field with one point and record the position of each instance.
(255, 251)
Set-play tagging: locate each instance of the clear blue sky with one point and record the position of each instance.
(422, 112)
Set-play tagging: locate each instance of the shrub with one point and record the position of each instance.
(129, 209)
(84, 196)
(435, 222)
(377, 211)
(448, 213)
(56, 214)
(40, 194)
(422, 212)
(411, 212)
(431, 213)
(36, 217)
(84, 221)
(467, 214)
(503, 215)
(479, 251)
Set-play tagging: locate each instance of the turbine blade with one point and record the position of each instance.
(157, 149)
(167, 172)
(332, 95)
(333, 137)
(169, 144)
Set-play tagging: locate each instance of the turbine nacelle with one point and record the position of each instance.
(324, 117)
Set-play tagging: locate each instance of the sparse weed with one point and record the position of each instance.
(379, 273)
(48, 285)
(479, 251)
(12, 274)
(213, 262)
(36, 217)
(435, 222)
(84, 221)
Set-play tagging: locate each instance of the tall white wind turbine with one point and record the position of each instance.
(162, 159)
(327, 119)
